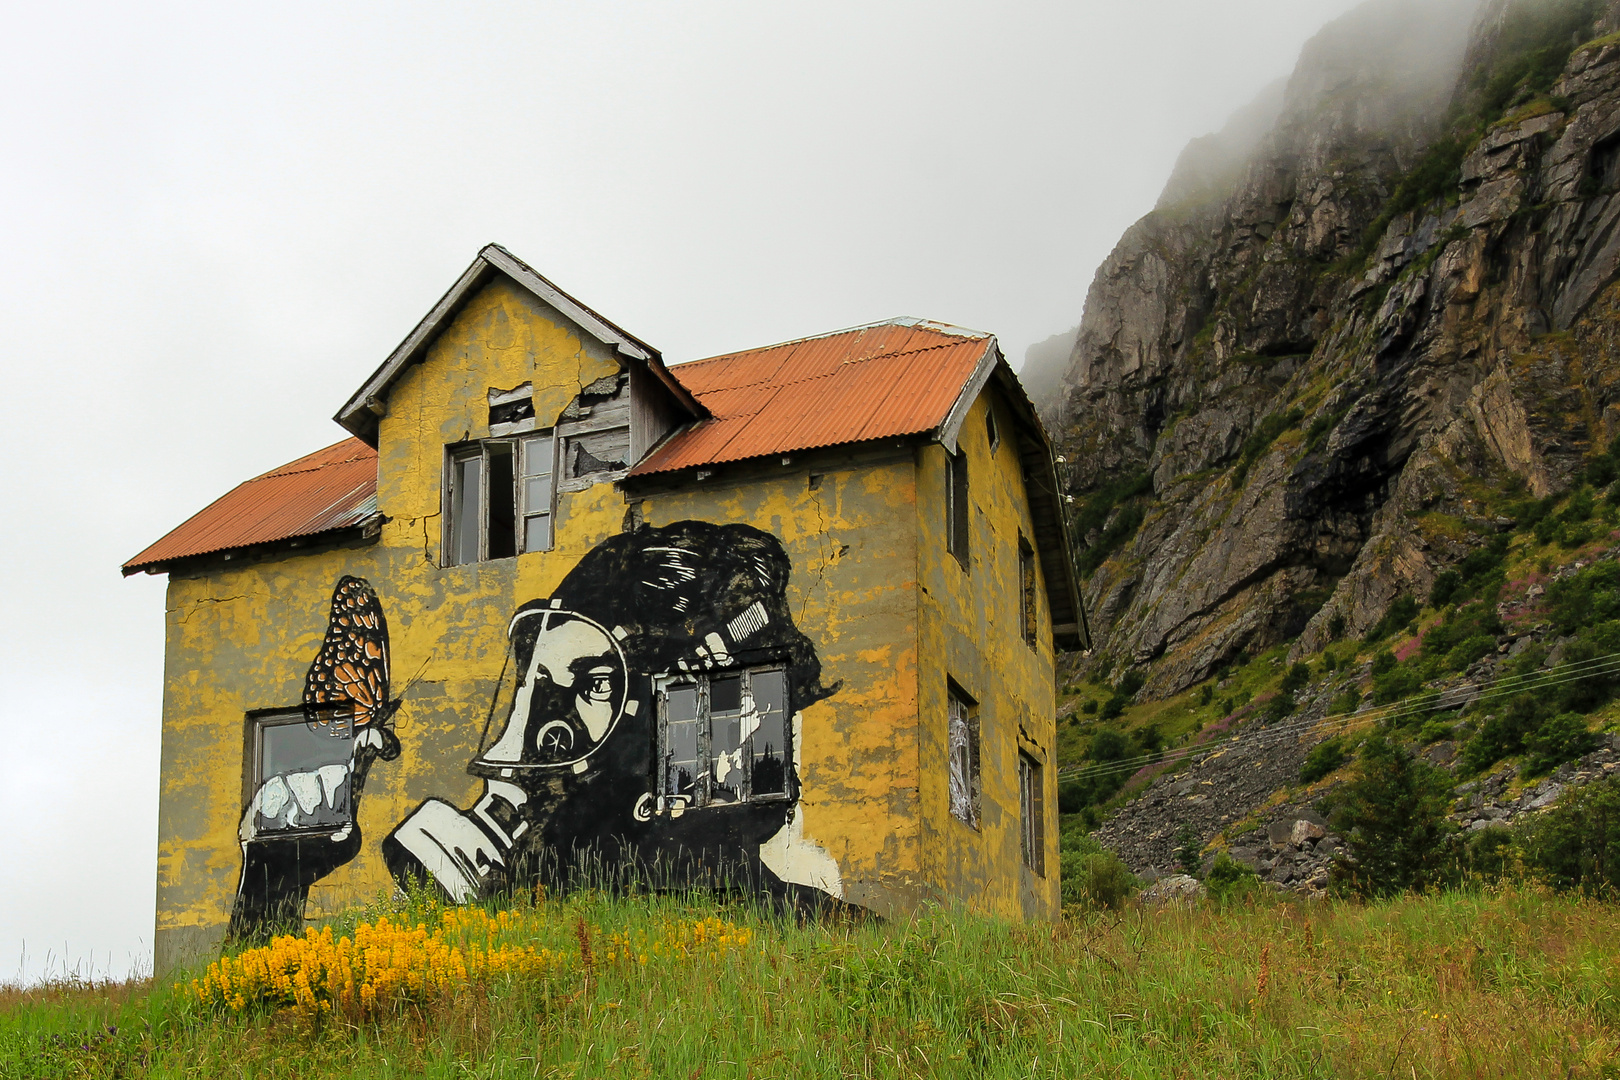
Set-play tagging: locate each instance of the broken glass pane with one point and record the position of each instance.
(765, 718)
(681, 741)
(502, 502)
(725, 739)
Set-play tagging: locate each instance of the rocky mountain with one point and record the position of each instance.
(1359, 323)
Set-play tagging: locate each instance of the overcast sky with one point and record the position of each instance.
(220, 218)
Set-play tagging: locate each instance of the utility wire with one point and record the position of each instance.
(1429, 702)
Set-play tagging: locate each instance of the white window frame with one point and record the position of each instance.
(525, 450)
(701, 795)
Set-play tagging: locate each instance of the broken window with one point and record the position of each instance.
(1026, 590)
(723, 738)
(991, 435)
(511, 411)
(1032, 813)
(956, 506)
(488, 513)
(962, 748)
(299, 774)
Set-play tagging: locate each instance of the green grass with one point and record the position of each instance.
(1515, 982)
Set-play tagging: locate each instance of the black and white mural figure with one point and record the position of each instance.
(309, 766)
(647, 713)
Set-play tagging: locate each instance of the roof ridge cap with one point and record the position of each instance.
(899, 320)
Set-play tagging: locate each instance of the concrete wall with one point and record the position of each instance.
(969, 632)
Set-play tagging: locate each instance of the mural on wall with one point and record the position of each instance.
(309, 767)
(647, 715)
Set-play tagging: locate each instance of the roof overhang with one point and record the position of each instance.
(361, 413)
(1070, 630)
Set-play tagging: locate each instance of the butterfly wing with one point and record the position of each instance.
(347, 685)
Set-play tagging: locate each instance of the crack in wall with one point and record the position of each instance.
(189, 610)
(821, 568)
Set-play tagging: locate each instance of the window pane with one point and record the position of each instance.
(537, 533)
(304, 777)
(297, 747)
(769, 722)
(502, 502)
(537, 495)
(537, 456)
(464, 511)
(680, 741)
(725, 740)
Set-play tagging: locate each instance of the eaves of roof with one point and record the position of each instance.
(331, 490)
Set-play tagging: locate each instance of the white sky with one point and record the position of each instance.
(219, 218)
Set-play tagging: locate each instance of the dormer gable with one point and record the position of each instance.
(658, 402)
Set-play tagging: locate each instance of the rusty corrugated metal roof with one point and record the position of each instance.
(872, 382)
(335, 488)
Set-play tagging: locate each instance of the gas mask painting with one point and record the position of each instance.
(646, 720)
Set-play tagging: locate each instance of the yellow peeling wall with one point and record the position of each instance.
(969, 631)
(241, 638)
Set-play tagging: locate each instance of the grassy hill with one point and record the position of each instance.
(1497, 982)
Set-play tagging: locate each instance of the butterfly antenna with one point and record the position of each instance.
(393, 706)
(418, 676)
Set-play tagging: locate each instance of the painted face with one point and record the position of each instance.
(569, 695)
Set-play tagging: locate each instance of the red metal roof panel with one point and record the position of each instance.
(873, 382)
(334, 488)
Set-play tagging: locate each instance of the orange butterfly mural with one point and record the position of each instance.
(346, 689)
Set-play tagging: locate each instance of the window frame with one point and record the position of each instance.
(519, 446)
(253, 776)
(702, 796)
(1029, 619)
(972, 765)
(957, 506)
(1032, 812)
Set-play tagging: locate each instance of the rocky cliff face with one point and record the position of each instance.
(1311, 378)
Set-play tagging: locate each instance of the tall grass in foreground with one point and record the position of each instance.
(1516, 982)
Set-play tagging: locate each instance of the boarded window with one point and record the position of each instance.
(1027, 594)
(299, 774)
(723, 738)
(1032, 813)
(956, 507)
(962, 746)
(597, 452)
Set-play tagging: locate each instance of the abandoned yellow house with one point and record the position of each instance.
(781, 620)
